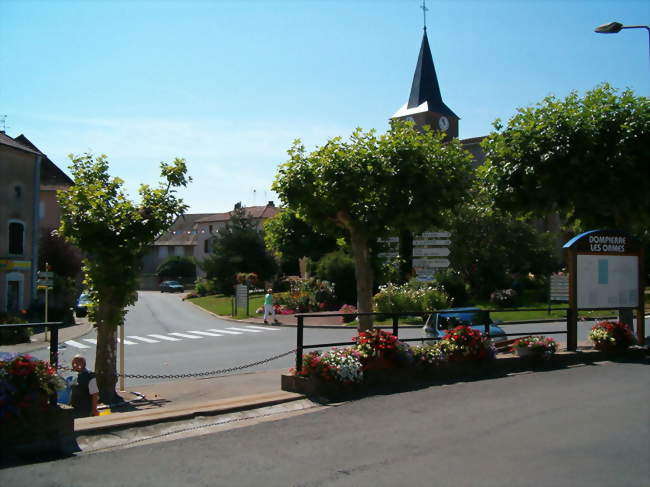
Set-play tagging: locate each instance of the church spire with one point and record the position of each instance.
(425, 87)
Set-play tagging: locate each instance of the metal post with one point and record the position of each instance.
(54, 346)
(299, 343)
(396, 325)
(572, 329)
(46, 306)
(122, 388)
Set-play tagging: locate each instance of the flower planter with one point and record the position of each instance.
(39, 433)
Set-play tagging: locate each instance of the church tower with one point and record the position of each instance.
(425, 105)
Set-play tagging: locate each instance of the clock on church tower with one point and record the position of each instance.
(425, 105)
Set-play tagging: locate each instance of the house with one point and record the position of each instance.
(28, 207)
(192, 235)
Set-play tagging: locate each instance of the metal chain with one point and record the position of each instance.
(203, 374)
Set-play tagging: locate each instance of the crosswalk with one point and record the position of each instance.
(177, 336)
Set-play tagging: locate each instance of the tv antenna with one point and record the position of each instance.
(3, 123)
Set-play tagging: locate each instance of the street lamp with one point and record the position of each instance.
(616, 27)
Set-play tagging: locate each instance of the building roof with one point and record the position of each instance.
(255, 212)
(182, 231)
(425, 90)
(51, 175)
(8, 141)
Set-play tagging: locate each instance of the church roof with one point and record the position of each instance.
(425, 90)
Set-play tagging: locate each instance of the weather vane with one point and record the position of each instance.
(424, 13)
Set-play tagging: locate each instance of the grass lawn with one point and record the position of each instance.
(222, 305)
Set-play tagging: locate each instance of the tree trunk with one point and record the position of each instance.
(106, 354)
(364, 277)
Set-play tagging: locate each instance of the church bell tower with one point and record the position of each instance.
(425, 105)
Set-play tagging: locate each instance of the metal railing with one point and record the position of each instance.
(300, 345)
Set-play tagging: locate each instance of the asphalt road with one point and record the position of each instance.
(582, 426)
(165, 335)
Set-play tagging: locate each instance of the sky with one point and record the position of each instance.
(228, 85)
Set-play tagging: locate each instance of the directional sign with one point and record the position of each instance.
(430, 263)
(432, 252)
(45, 275)
(426, 242)
(434, 235)
(387, 255)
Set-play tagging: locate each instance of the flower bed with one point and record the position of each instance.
(611, 336)
(535, 346)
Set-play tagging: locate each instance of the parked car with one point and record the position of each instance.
(81, 308)
(171, 287)
(438, 323)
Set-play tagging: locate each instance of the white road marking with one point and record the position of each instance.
(184, 335)
(226, 331)
(126, 342)
(164, 337)
(262, 328)
(146, 340)
(91, 340)
(206, 333)
(76, 344)
(244, 329)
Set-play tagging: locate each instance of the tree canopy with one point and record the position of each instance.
(583, 157)
(113, 233)
(373, 186)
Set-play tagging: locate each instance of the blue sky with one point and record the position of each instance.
(228, 85)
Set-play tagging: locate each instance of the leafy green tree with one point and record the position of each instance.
(238, 248)
(293, 238)
(177, 266)
(585, 158)
(372, 187)
(489, 246)
(114, 233)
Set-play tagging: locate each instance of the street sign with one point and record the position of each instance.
(387, 255)
(425, 242)
(45, 274)
(431, 263)
(434, 235)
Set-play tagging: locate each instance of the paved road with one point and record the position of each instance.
(165, 335)
(583, 426)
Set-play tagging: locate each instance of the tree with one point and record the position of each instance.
(585, 158)
(176, 267)
(371, 187)
(114, 233)
(489, 246)
(338, 268)
(238, 248)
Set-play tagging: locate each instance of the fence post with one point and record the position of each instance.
(395, 325)
(299, 343)
(571, 329)
(54, 346)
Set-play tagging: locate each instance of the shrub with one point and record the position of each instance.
(453, 285)
(413, 297)
(349, 311)
(308, 295)
(505, 298)
(428, 356)
(338, 268)
(338, 365)
(11, 336)
(25, 385)
(536, 345)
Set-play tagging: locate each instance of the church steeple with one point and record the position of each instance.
(425, 105)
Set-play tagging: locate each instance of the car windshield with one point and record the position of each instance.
(172, 283)
(450, 320)
(84, 299)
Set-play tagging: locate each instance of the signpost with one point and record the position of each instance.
(605, 272)
(429, 250)
(241, 298)
(46, 282)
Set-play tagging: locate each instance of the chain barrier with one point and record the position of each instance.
(204, 374)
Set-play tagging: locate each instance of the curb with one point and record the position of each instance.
(34, 346)
(121, 421)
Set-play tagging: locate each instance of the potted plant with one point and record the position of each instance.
(28, 421)
(611, 336)
(534, 346)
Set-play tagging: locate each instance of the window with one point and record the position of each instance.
(14, 292)
(41, 209)
(16, 237)
(205, 246)
(162, 252)
(179, 251)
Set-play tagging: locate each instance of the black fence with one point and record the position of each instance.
(395, 317)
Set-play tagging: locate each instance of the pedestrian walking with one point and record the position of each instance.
(268, 307)
(85, 393)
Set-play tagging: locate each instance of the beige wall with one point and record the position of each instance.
(49, 211)
(17, 172)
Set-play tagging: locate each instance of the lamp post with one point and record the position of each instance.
(616, 27)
